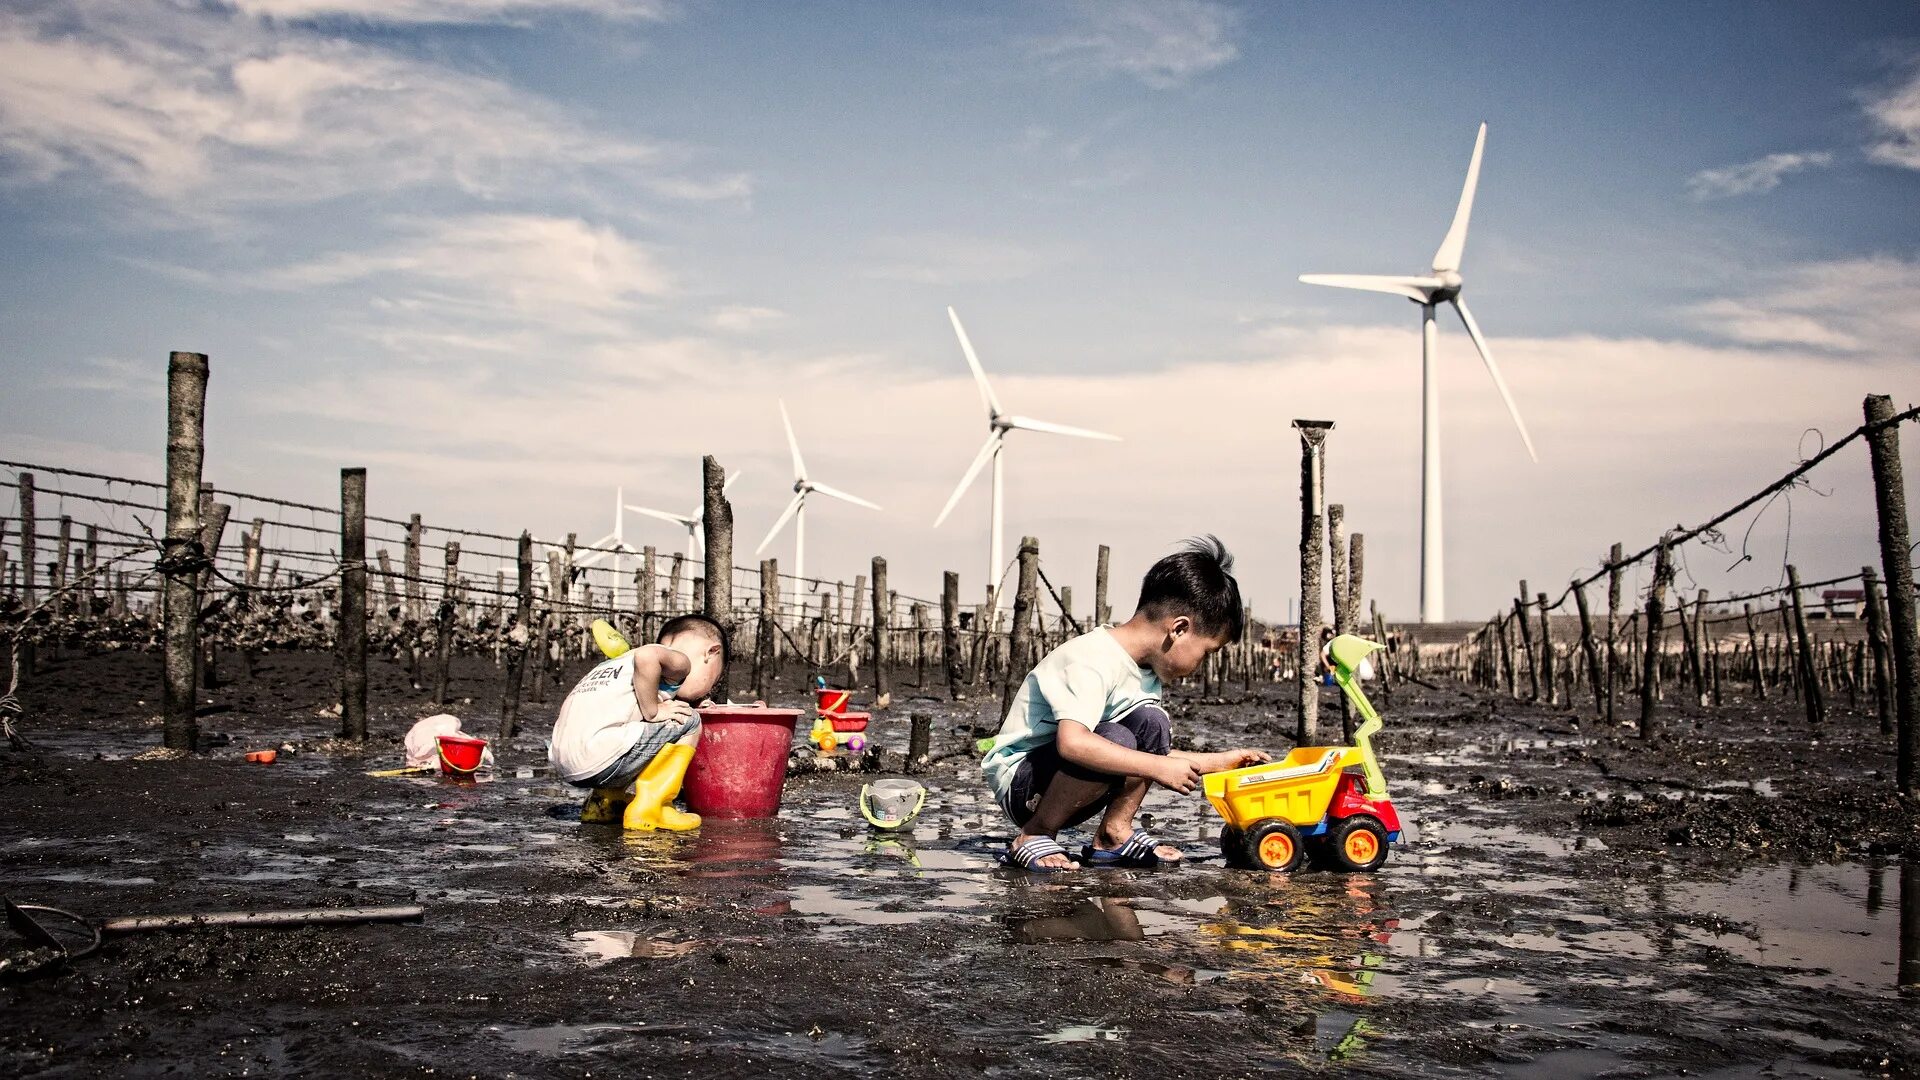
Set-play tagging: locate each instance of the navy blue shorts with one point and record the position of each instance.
(1144, 728)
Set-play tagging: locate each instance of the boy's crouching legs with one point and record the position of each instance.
(1147, 729)
(658, 785)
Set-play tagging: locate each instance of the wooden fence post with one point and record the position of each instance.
(1356, 580)
(213, 526)
(1656, 618)
(1903, 636)
(1313, 434)
(1592, 652)
(1811, 694)
(718, 528)
(1337, 558)
(1102, 611)
(920, 743)
(186, 448)
(1526, 642)
(882, 623)
(63, 555)
(1547, 658)
(951, 656)
(518, 640)
(416, 594)
(1613, 628)
(1877, 644)
(1024, 600)
(919, 645)
(1753, 650)
(763, 654)
(449, 595)
(353, 604)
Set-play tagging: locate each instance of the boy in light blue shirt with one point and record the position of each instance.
(1087, 733)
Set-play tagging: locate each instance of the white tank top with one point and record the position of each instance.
(599, 720)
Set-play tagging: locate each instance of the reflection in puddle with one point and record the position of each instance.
(601, 946)
(1078, 1033)
(558, 1039)
(1822, 925)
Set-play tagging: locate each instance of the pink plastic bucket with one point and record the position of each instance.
(833, 701)
(741, 763)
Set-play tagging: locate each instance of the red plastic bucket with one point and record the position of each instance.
(849, 721)
(833, 701)
(741, 763)
(459, 755)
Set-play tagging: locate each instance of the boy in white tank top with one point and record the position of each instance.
(628, 728)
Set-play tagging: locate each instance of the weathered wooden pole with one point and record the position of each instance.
(1356, 580)
(353, 604)
(442, 683)
(920, 743)
(1877, 645)
(1507, 667)
(1699, 645)
(1526, 643)
(63, 557)
(213, 526)
(1590, 648)
(952, 658)
(1613, 628)
(1656, 619)
(1337, 552)
(1688, 673)
(1753, 650)
(1025, 598)
(1811, 694)
(254, 533)
(1903, 635)
(718, 527)
(1313, 435)
(518, 639)
(920, 645)
(29, 525)
(1547, 658)
(1102, 612)
(882, 623)
(181, 557)
(416, 592)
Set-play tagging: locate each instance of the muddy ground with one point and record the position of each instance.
(1725, 902)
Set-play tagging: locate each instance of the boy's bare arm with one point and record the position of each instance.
(1080, 745)
(652, 665)
(1223, 760)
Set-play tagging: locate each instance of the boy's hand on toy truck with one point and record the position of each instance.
(1234, 759)
(1177, 773)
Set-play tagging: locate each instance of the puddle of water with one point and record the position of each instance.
(1079, 1033)
(598, 947)
(558, 1039)
(1822, 925)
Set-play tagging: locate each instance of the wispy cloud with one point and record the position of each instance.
(1753, 177)
(205, 110)
(1849, 306)
(1895, 113)
(1162, 43)
(450, 11)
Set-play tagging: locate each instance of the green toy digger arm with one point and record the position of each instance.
(1346, 652)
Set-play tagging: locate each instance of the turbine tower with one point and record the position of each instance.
(1440, 285)
(998, 424)
(691, 522)
(797, 509)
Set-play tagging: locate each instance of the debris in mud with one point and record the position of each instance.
(1838, 823)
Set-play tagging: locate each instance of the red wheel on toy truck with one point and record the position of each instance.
(1273, 845)
(1357, 843)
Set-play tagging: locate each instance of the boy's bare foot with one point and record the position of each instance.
(1024, 851)
(1106, 841)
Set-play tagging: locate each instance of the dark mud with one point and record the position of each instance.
(1727, 901)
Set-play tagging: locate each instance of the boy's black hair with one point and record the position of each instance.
(1196, 581)
(682, 623)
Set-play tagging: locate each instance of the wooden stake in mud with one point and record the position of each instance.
(882, 623)
(920, 645)
(1025, 597)
(1810, 695)
(718, 526)
(1590, 649)
(1313, 435)
(951, 656)
(1526, 643)
(29, 526)
(1337, 552)
(1613, 628)
(353, 604)
(1102, 613)
(1877, 645)
(1656, 619)
(1903, 635)
(649, 585)
(443, 658)
(1702, 677)
(181, 558)
(416, 592)
(920, 743)
(1753, 650)
(519, 640)
(764, 670)
(1356, 579)
(1546, 648)
(63, 557)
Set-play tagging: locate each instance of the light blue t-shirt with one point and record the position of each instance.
(1088, 680)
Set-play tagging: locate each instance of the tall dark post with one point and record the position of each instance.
(1903, 637)
(1877, 643)
(882, 623)
(186, 448)
(1811, 695)
(764, 671)
(449, 604)
(1590, 649)
(1613, 628)
(416, 593)
(1102, 613)
(1526, 642)
(1313, 435)
(353, 604)
(1025, 599)
(518, 641)
(719, 536)
(952, 657)
(1656, 617)
(649, 590)
(1356, 580)
(1547, 659)
(29, 526)
(1753, 651)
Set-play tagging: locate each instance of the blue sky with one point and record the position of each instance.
(478, 244)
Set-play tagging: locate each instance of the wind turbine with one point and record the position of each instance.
(797, 509)
(998, 424)
(1441, 284)
(691, 522)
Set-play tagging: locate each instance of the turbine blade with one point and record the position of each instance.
(731, 477)
(979, 462)
(1493, 369)
(1448, 257)
(781, 522)
(1027, 423)
(836, 493)
(1413, 288)
(793, 444)
(677, 519)
(979, 375)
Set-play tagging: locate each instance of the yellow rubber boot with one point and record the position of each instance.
(611, 641)
(653, 793)
(604, 806)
